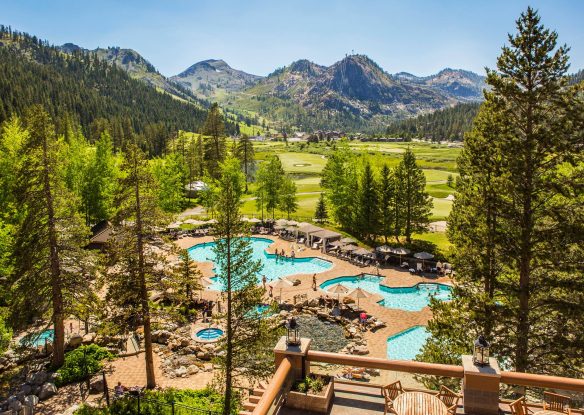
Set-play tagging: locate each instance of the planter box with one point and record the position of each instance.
(310, 402)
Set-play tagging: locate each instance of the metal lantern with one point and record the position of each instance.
(292, 333)
(480, 356)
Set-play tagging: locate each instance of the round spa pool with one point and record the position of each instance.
(209, 334)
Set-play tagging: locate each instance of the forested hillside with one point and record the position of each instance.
(446, 124)
(84, 89)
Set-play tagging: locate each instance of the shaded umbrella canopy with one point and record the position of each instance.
(338, 289)
(254, 220)
(291, 229)
(359, 293)
(384, 248)
(347, 248)
(335, 243)
(292, 223)
(282, 222)
(361, 251)
(400, 251)
(281, 283)
(279, 227)
(348, 241)
(423, 255)
(212, 221)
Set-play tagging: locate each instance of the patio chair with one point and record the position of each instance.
(449, 398)
(518, 407)
(390, 392)
(555, 402)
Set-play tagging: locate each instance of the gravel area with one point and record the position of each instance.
(326, 336)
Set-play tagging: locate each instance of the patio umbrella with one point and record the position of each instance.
(359, 293)
(338, 289)
(423, 256)
(384, 249)
(361, 251)
(336, 243)
(348, 240)
(281, 283)
(400, 252)
(254, 220)
(348, 248)
(279, 227)
(211, 221)
(292, 223)
(282, 222)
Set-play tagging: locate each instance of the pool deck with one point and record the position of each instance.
(396, 320)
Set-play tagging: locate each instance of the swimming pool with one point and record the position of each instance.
(272, 268)
(209, 334)
(38, 339)
(407, 344)
(404, 298)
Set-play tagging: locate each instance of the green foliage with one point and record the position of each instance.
(288, 201)
(516, 224)
(171, 180)
(313, 383)
(271, 185)
(158, 402)
(449, 124)
(82, 363)
(99, 95)
(5, 331)
(243, 150)
(214, 146)
(321, 213)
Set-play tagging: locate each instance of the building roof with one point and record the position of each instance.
(326, 234)
(308, 228)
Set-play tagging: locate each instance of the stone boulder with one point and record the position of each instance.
(75, 340)
(47, 390)
(96, 384)
(37, 378)
(31, 401)
(360, 350)
(89, 338)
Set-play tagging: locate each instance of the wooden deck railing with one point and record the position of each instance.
(542, 381)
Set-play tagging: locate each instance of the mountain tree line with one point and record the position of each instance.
(516, 224)
(274, 188)
(389, 204)
(449, 124)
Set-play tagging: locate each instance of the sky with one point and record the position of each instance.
(258, 36)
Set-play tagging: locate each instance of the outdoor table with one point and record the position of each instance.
(419, 403)
(547, 412)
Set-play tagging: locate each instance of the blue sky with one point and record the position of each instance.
(415, 36)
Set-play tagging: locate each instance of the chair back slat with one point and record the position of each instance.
(556, 402)
(518, 407)
(449, 397)
(392, 391)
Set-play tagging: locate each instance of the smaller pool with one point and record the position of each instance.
(38, 339)
(261, 310)
(209, 334)
(407, 344)
(404, 298)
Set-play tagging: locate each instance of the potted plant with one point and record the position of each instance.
(313, 393)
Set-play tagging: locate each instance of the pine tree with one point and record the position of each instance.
(246, 339)
(367, 219)
(48, 254)
(269, 180)
(214, 130)
(416, 201)
(321, 213)
(288, 200)
(170, 180)
(244, 151)
(387, 199)
(517, 220)
(134, 273)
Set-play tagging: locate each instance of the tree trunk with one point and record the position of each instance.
(56, 289)
(229, 351)
(150, 377)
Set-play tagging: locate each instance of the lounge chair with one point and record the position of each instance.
(390, 392)
(555, 402)
(449, 398)
(518, 407)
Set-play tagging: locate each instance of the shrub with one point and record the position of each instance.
(82, 363)
(5, 333)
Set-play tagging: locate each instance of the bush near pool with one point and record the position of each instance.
(81, 363)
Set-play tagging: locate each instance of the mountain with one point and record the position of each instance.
(213, 78)
(136, 66)
(458, 83)
(90, 91)
(354, 93)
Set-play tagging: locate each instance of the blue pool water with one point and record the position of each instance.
(407, 344)
(209, 334)
(38, 339)
(404, 298)
(272, 269)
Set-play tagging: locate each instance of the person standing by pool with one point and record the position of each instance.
(264, 280)
(314, 282)
(271, 291)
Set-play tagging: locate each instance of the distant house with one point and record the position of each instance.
(101, 233)
(194, 188)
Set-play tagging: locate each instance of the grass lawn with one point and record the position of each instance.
(441, 209)
(437, 238)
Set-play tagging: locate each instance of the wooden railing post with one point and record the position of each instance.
(296, 355)
(481, 387)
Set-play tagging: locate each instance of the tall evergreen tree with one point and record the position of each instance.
(288, 200)
(269, 180)
(134, 273)
(387, 202)
(246, 336)
(321, 213)
(214, 130)
(48, 250)
(244, 151)
(367, 219)
(171, 181)
(416, 201)
(521, 192)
